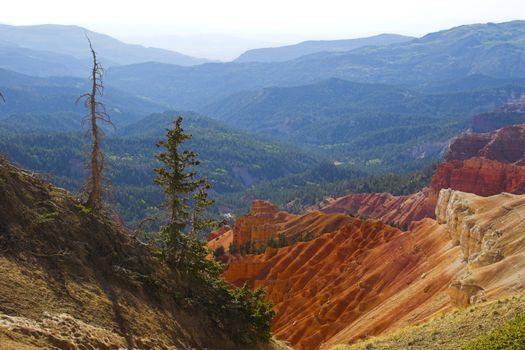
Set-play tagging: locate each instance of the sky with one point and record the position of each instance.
(222, 29)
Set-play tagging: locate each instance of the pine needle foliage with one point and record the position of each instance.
(186, 198)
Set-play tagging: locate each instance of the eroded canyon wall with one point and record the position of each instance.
(367, 277)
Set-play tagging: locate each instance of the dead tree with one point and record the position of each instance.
(93, 187)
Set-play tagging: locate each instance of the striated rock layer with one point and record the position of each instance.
(490, 232)
(367, 277)
(397, 210)
(484, 164)
(481, 176)
(361, 277)
(353, 282)
(506, 145)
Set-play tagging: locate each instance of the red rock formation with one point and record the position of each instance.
(509, 114)
(506, 145)
(219, 232)
(224, 240)
(265, 222)
(362, 277)
(259, 225)
(483, 164)
(367, 277)
(481, 176)
(396, 210)
(322, 287)
(467, 146)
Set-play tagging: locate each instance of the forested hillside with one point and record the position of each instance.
(231, 159)
(360, 122)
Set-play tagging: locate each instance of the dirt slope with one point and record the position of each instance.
(72, 280)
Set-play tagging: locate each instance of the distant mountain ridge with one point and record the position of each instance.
(290, 52)
(53, 98)
(50, 49)
(41, 63)
(360, 122)
(495, 50)
(339, 110)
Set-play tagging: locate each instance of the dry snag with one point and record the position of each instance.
(97, 112)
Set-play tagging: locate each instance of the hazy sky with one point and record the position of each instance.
(224, 28)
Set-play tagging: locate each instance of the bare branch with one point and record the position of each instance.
(83, 96)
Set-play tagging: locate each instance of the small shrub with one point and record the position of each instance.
(218, 252)
(83, 209)
(257, 311)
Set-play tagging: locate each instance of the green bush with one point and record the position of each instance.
(257, 311)
(509, 336)
(218, 252)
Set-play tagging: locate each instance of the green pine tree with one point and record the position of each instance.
(186, 199)
(233, 249)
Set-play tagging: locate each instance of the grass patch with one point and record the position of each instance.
(46, 218)
(509, 336)
(471, 328)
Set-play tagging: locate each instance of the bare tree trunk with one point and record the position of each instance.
(97, 112)
(95, 195)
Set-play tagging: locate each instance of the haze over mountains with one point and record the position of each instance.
(491, 49)
(389, 107)
(46, 50)
(290, 52)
